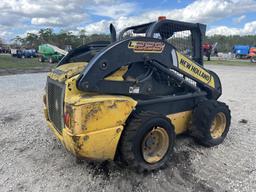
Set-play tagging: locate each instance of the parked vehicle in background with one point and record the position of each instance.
(252, 54)
(14, 52)
(241, 51)
(26, 53)
(245, 52)
(23, 53)
(4, 49)
(50, 53)
(209, 49)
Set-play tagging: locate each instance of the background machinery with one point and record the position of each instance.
(50, 53)
(252, 54)
(126, 100)
(209, 49)
(241, 51)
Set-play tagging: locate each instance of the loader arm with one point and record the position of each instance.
(155, 53)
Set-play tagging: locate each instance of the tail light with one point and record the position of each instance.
(67, 119)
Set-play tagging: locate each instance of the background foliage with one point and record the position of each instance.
(61, 39)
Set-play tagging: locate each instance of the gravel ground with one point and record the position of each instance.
(31, 159)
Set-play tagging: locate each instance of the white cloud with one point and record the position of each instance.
(98, 27)
(223, 30)
(119, 23)
(207, 11)
(39, 11)
(5, 34)
(72, 14)
(61, 12)
(58, 21)
(249, 28)
(113, 10)
(238, 20)
(67, 14)
(204, 11)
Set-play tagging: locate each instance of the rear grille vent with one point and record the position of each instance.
(55, 103)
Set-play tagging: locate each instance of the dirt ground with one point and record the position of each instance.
(31, 159)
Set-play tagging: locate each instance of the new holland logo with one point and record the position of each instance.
(196, 70)
(146, 47)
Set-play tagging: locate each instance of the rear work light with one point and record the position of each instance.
(160, 18)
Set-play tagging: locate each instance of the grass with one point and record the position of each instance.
(230, 62)
(9, 62)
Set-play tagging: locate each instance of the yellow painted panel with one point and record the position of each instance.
(100, 113)
(180, 121)
(69, 142)
(99, 145)
(96, 145)
(118, 75)
(71, 89)
(66, 71)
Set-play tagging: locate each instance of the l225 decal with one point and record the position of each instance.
(146, 46)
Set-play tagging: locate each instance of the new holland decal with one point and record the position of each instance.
(146, 47)
(194, 70)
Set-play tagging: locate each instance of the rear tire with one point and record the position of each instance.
(147, 142)
(210, 123)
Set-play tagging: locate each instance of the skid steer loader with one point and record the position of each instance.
(126, 100)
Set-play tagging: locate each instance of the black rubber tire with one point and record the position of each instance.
(202, 118)
(135, 131)
(253, 60)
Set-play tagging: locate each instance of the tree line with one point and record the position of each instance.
(226, 43)
(60, 39)
(63, 38)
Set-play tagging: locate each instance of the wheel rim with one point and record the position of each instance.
(218, 125)
(155, 145)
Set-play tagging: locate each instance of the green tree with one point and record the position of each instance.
(31, 40)
(46, 35)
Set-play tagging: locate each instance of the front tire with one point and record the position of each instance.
(210, 123)
(147, 142)
(253, 59)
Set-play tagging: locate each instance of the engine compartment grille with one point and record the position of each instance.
(55, 101)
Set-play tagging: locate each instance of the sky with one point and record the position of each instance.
(225, 17)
